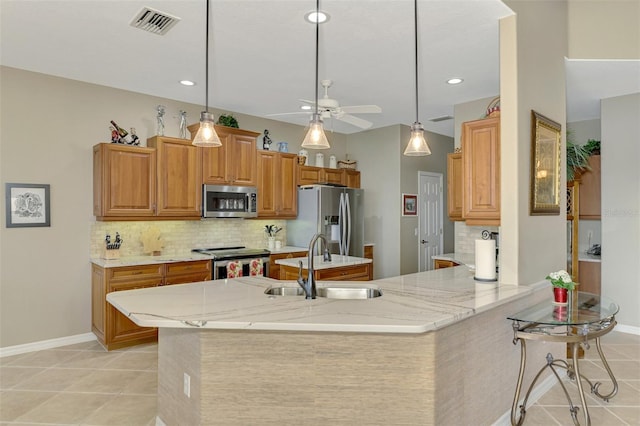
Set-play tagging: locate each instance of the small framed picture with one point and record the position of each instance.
(409, 205)
(27, 205)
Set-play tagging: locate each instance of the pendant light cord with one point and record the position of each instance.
(317, 42)
(415, 26)
(206, 65)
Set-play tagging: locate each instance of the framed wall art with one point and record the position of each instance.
(545, 166)
(27, 205)
(409, 205)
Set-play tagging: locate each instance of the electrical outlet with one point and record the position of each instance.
(187, 385)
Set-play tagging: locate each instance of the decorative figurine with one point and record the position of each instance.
(160, 109)
(115, 137)
(266, 140)
(183, 124)
(135, 140)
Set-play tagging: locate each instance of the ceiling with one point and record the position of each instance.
(262, 53)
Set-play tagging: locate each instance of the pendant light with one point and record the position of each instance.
(207, 136)
(315, 138)
(417, 144)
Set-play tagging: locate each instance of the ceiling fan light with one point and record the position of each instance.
(207, 136)
(315, 138)
(417, 143)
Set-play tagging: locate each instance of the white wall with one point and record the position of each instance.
(621, 205)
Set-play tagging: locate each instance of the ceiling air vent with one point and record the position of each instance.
(442, 118)
(154, 21)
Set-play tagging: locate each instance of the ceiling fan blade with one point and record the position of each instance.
(358, 122)
(361, 109)
(306, 101)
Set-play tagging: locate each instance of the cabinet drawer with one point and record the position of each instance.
(192, 277)
(134, 284)
(135, 272)
(188, 267)
(347, 273)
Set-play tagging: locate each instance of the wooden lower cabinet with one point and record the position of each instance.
(439, 264)
(274, 268)
(589, 277)
(113, 329)
(361, 272)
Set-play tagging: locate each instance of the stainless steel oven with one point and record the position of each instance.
(221, 257)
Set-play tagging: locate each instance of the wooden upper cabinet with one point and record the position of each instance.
(331, 176)
(454, 185)
(590, 191)
(309, 175)
(351, 178)
(124, 181)
(481, 171)
(179, 192)
(234, 163)
(277, 190)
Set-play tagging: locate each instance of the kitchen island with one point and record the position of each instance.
(435, 348)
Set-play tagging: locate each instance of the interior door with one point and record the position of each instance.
(430, 199)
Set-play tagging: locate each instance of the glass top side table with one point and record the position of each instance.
(585, 317)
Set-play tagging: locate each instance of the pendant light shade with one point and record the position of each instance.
(315, 138)
(206, 136)
(417, 143)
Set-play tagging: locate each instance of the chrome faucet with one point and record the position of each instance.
(309, 284)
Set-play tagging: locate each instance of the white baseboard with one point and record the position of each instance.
(536, 394)
(46, 344)
(627, 329)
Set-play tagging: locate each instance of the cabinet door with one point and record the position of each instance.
(331, 176)
(274, 268)
(589, 277)
(481, 174)
(179, 180)
(287, 192)
(241, 160)
(187, 272)
(454, 185)
(124, 181)
(590, 191)
(345, 273)
(121, 329)
(351, 178)
(308, 175)
(214, 160)
(267, 166)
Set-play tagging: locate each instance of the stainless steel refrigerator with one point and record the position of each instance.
(336, 212)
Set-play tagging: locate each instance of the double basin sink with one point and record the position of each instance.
(328, 292)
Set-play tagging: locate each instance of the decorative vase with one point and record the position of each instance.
(271, 243)
(560, 295)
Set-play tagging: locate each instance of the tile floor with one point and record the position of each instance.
(84, 385)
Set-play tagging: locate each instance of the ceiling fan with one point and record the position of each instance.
(330, 108)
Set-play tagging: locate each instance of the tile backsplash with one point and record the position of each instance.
(465, 236)
(180, 236)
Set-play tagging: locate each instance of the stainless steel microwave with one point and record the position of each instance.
(229, 201)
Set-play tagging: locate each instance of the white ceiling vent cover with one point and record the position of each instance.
(442, 118)
(154, 21)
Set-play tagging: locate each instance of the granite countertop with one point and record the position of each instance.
(414, 303)
(468, 259)
(289, 249)
(585, 257)
(337, 261)
(148, 260)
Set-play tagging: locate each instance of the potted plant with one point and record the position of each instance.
(593, 147)
(227, 120)
(562, 283)
(577, 158)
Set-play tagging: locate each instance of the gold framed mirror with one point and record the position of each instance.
(545, 166)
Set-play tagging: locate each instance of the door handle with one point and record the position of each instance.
(424, 241)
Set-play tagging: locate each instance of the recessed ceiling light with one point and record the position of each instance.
(455, 80)
(305, 107)
(187, 83)
(321, 17)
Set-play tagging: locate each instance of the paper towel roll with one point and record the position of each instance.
(485, 260)
(335, 232)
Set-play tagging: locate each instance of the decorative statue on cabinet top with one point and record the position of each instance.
(160, 109)
(266, 140)
(183, 124)
(135, 140)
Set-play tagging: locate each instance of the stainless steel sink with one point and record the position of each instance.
(348, 292)
(284, 291)
(328, 292)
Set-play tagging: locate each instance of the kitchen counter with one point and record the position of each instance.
(337, 261)
(585, 257)
(468, 259)
(289, 249)
(148, 260)
(414, 303)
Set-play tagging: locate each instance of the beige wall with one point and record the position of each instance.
(531, 78)
(44, 272)
(621, 205)
(605, 29)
